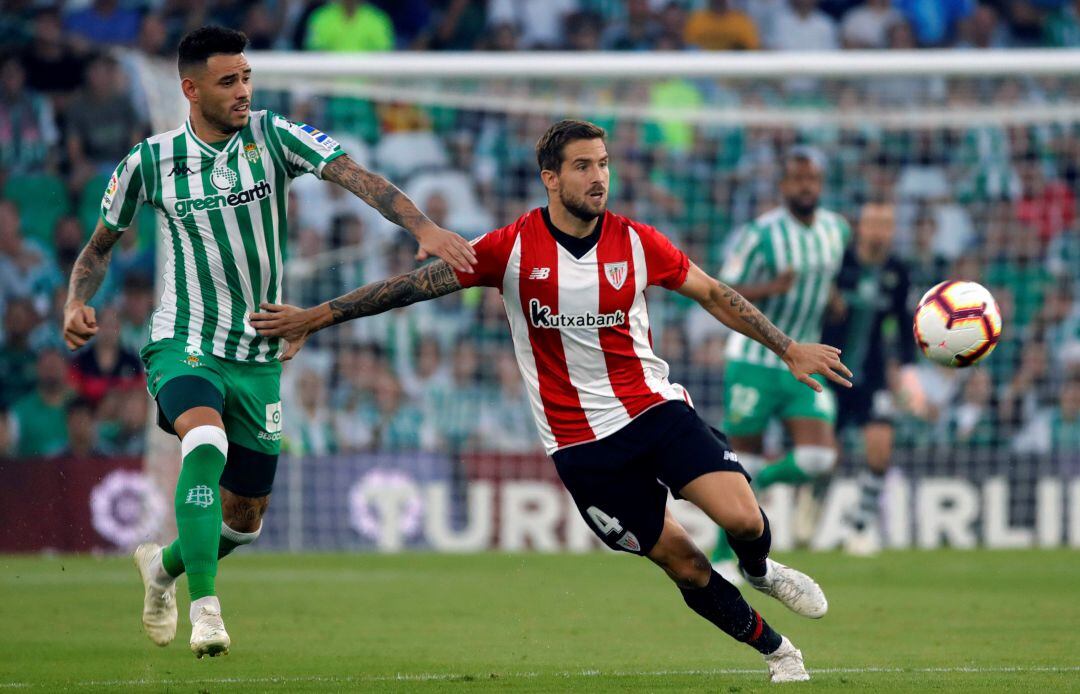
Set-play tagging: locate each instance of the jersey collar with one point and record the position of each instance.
(207, 149)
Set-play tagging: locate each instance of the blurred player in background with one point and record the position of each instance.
(220, 186)
(785, 263)
(573, 277)
(869, 318)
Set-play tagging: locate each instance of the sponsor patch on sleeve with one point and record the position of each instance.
(110, 193)
(320, 138)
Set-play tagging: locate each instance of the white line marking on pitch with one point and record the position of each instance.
(436, 677)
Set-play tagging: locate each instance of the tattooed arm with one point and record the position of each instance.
(87, 274)
(295, 324)
(391, 203)
(733, 310)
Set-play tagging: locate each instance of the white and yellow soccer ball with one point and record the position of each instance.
(957, 323)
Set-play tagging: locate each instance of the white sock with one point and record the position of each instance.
(208, 601)
(158, 573)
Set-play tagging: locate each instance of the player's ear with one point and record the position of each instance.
(188, 87)
(550, 179)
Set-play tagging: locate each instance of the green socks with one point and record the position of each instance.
(783, 470)
(173, 561)
(198, 509)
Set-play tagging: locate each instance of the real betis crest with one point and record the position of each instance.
(252, 152)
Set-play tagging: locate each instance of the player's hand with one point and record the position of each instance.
(80, 324)
(783, 282)
(805, 360)
(291, 323)
(436, 241)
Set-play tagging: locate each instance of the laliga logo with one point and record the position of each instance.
(125, 508)
(385, 505)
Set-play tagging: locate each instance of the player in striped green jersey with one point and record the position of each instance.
(785, 262)
(219, 186)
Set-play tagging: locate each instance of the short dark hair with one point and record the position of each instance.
(549, 148)
(200, 44)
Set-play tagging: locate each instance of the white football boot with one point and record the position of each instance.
(159, 600)
(786, 664)
(799, 593)
(208, 635)
(729, 571)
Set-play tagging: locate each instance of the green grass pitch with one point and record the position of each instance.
(947, 621)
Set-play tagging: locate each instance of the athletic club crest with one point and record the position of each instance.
(223, 178)
(616, 274)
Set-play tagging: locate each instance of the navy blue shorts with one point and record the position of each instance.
(620, 483)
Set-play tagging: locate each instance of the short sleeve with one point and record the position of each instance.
(492, 254)
(124, 193)
(667, 265)
(304, 148)
(742, 257)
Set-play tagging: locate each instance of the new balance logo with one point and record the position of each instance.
(180, 168)
(540, 273)
(200, 496)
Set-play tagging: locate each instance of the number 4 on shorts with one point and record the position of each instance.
(603, 522)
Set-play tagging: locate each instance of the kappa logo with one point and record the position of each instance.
(180, 168)
(201, 496)
(540, 273)
(616, 274)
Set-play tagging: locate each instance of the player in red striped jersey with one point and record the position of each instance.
(572, 277)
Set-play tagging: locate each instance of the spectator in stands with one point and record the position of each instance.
(35, 417)
(983, 29)
(105, 365)
(803, 27)
(28, 133)
(1030, 389)
(82, 438)
(104, 22)
(502, 36)
(672, 19)
(67, 243)
(125, 433)
(719, 27)
(309, 428)
(16, 353)
(972, 421)
(506, 421)
(935, 22)
(457, 25)
(866, 26)
(135, 307)
(1047, 206)
(395, 424)
(50, 329)
(1065, 416)
(1062, 28)
(25, 268)
(133, 255)
(583, 31)
(539, 22)
(349, 26)
(6, 441)
(637, 32)
(424, 369)
(102, 125)
(52, 63)
(454, 411)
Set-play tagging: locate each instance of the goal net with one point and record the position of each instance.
(412, 429)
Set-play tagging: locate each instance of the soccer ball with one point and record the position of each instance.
(957, 323)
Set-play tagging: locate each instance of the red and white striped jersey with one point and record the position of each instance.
(580, 325)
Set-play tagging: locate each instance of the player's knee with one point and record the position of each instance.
(243, 514)
(746, 525)
(815, 460)
(204, 435)
(686, 565)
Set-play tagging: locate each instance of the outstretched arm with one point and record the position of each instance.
(295, 324)
(733, 310)
(391, 203)
(87, 274)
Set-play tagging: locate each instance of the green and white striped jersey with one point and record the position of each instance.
(768, 246)
(222, 218)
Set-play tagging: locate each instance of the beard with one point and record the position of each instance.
(581, 208)
(222, 121)
(801, 207)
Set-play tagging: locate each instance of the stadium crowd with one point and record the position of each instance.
(988, 203)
